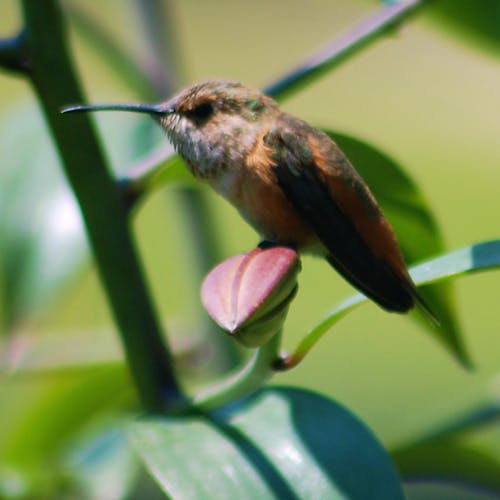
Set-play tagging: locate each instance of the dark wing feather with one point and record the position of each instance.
(342, 212)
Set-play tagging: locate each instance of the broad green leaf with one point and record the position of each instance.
(445, 490)
(103, 464)
(450, 460)
(463, 449)
(474, 258)
(399, 196)
(44, 415)
(280, 443)
(99, 464)
(415, 225)
(474, 22)
(40, 415)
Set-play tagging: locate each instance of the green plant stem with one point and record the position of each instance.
(13, 55)
(105, 218)
(342, 47)
(164, 66)
(289, 361)
(147, 80)
(123, 64)
(248, 379)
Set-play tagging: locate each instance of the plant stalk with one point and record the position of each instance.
(342, 47)
(56, 84)
(13, 55)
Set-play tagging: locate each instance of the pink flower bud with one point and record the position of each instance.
(248, 295)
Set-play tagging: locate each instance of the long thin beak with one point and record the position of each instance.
(150, 109)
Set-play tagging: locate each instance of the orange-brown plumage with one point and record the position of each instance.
(331, 197)
(264, 204)
(356, 200)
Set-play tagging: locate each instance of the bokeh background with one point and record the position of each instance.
(428, 95)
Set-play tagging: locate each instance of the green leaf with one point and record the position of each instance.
(474, 258)
(475, 22)
(280, 443)
(417, 230)
(477, 257)
(462, 449)
(104, 464)
(451, 461)
(44, 415)
(40, 415)
(472, 22)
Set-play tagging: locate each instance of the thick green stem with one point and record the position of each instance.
(164, 64)
(13, 55)
(105, 218)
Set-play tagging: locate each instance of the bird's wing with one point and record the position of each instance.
(331, 196)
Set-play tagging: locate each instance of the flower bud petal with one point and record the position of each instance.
(248, 295)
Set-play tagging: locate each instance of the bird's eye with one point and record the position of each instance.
(201, 112)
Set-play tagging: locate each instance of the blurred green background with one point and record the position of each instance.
(428, 95)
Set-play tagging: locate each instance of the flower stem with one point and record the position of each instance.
(242, 383)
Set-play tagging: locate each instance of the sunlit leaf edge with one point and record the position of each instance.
(471, 259)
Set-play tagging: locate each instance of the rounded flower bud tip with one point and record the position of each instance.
(248, 295)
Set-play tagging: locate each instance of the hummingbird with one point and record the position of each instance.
(288, 180)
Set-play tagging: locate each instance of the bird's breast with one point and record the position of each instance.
(253, 189)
